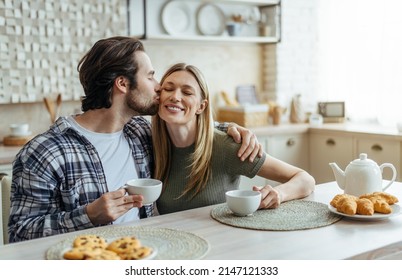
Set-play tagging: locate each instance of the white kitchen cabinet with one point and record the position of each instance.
(326, 148)
(381, 151)
(343, 146)
(290, 148)
(198, 20)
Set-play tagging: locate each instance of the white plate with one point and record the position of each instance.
(176, 18)
(396, 210)
(210, 20)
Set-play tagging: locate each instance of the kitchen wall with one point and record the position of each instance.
(279, 71)
(41, 43)
(295, 59)
(225, 65)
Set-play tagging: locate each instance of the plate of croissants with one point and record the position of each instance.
(371, 206)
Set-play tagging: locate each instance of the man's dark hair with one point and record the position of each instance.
(106, 60)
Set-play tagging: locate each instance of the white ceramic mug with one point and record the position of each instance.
(150, 189)
(243, 202)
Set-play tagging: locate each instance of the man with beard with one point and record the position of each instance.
(69, 177)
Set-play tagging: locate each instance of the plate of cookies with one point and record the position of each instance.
(370, 207)
(130, 243)
(97, 247)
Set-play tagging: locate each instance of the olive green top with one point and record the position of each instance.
(226, 171)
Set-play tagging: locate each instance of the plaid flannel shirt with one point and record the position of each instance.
(59, 172)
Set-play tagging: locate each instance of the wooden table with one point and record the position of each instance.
(341, 240)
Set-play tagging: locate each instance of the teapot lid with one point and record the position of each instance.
(363, 160)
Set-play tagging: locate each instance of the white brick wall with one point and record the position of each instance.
(291, 64)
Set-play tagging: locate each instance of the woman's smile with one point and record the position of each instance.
(173, 108)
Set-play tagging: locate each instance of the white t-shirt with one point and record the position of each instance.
(117, 161)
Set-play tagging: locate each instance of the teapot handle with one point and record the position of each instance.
(382, 166)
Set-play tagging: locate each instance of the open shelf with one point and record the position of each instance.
(146, 20)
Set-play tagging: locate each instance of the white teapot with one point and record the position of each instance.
(362, 176)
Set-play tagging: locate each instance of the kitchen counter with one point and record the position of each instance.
(390, 133)
(7, 153)
(286, 128)
(367, 129)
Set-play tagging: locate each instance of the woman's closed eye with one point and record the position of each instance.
(170, 89)
(167, 88)
(186, 92)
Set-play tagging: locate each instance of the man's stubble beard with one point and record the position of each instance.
(141, 107)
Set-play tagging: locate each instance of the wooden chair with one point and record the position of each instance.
(5, 208)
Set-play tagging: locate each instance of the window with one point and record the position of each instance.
(360, 58)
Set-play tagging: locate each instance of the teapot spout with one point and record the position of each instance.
(340, 176)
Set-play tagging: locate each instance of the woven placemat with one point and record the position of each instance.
(171, 244)
(291, 215)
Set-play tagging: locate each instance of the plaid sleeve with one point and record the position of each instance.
(222, 126)
(47, 199)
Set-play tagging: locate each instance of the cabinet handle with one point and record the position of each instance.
(290, 142)
(376, 148)
(331, 142)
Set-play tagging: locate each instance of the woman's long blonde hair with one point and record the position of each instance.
(201, 158)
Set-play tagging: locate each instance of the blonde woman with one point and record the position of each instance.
(198, 163)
